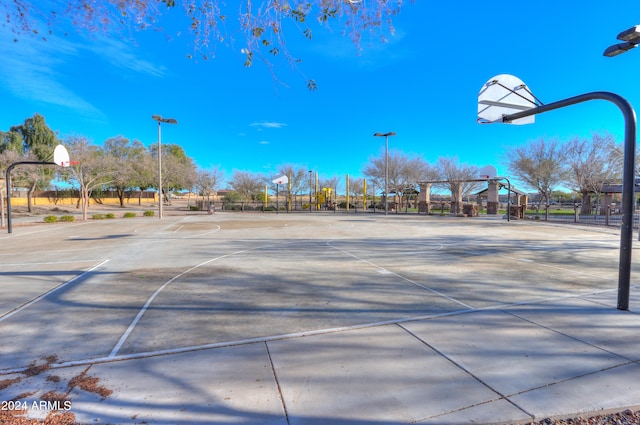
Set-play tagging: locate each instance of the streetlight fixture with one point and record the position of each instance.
(631, 38)
(386, 168)
(168, 121)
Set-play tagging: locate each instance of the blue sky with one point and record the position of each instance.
(423, 84)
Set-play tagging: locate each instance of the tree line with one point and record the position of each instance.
(583, 165)
(119, 164)
(580, 165)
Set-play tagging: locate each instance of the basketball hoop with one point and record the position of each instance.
(488, 172)
(504, 95)
(281, 180)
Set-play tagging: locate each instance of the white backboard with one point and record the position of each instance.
(504, 95)
(488, 172)
(281, 180)
(61, 156)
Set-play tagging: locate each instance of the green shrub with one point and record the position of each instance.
(111, 215)
(149, 213)
(194, 208)
(98, 216)
(67, 218)
(129, 215)
(50, 219)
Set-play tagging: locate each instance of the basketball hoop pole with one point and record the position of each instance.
(628, 195)
(8, 184)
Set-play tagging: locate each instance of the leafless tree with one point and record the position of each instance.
(298, 180)
(25, 176)
(539, 165)
(457, 177)
(207, 181)
(247, 184)
(592, 162)
(405, 172)
(91, 169)
(415, 170)
(356, 189)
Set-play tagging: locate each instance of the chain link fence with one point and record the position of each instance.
(612, 217)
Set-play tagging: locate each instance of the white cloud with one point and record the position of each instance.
(33, 69)
(267, 124)
(121, 55)
(263, 142)
(31, 72)
(373, 53)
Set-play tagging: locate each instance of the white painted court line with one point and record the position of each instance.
(50, 229)
(146, 305)
(388, 272)
(114, 357)
(270, 338)
(41, 296)
(45, 263)
(204, 234)
(180, 350)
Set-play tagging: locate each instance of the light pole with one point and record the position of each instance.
(310, 188)
(386, 168)
(631, 38)
(168, 121)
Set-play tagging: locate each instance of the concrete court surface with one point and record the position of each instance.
(315, 318)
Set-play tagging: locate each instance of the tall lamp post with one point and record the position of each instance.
(386, 168)
(631, 39)
(310, 187)
(168, 121)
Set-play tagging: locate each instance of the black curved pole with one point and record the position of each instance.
(628, 187)
(8, 183)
